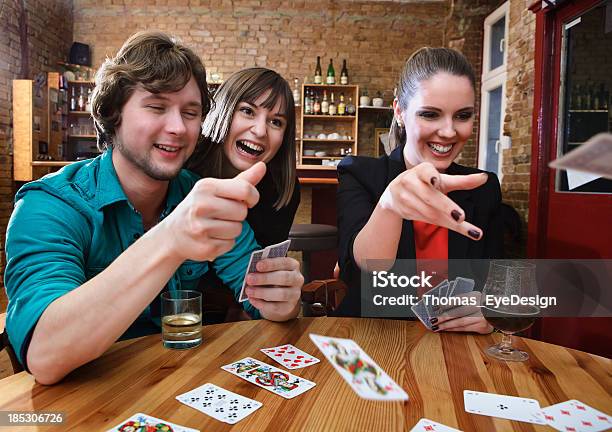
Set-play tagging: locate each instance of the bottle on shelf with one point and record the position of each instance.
(579, 98)
(316, 107)
(341, 105)
(296, 91)
(88, 103)
(324, 104)
(332, 106)
(318, 75)
(350, 107)
(600, 97)
(344, 74)
(81, 100)
(587, 100)
(307, 102)
(331, 74)
(73, 100)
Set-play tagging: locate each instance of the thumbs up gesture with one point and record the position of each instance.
(206, 223)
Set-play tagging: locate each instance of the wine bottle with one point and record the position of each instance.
(344, 74)
(307, 103)
(318, 75)
(350, 107)
(331, 74)
(81, 100)
(316, 108)
(73, 101)
(341, 105)
(325, 104)
(332, 105)
(296, 92)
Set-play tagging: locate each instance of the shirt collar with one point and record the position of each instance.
(109, 190)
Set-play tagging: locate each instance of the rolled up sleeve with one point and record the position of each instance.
(45, 241)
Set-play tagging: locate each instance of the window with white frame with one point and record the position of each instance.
(493, 90)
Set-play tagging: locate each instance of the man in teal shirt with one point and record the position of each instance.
(90, 248)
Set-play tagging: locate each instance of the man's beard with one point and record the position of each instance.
(145, 164)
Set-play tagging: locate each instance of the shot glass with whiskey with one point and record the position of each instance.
(181, 317)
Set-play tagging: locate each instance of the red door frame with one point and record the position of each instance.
(545, 119)
(584, 333)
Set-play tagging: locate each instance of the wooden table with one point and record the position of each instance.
(141, 376)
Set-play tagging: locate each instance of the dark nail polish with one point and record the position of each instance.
(433, 320)
(473, 233)
(456, 215)
(433, 181)
(435, 328)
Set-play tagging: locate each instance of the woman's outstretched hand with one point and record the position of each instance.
(419, 193)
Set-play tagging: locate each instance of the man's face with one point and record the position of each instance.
(158, 132)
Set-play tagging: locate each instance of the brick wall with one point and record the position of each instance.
(374, 37)
(49, 35)
(464, 32)
(519, 108)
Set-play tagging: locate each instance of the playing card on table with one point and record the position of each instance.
(273, 251)
(426, 425)
(269, 377)
(503, 406)
(290, 356)
(576, 416)
(143, 422)
(364, 376)
(219, 403)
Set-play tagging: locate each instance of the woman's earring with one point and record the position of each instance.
(399, 122)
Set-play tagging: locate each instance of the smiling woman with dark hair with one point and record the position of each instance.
(253, 119)
(417, 203)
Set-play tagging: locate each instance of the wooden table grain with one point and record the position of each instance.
(141, 376)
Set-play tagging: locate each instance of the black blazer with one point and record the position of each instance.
(362, 180)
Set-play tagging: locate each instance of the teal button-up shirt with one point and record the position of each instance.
(70, 225)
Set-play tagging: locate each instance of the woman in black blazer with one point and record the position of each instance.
(381, 201)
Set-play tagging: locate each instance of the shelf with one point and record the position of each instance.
(591, 111)
(317, 180)
(51, 163)
(83, 136)
(323, 157)
(329, 117)
(83, 113)
(316, 167)
(340, 86)
(81, 82)
(328, 140)
(373, 108)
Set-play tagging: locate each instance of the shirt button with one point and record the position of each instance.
(136, 236)
(189, 272)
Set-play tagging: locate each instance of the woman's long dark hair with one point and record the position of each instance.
(248, 85)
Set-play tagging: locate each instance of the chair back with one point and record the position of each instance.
(322, 297)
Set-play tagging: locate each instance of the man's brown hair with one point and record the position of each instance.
(152, 60)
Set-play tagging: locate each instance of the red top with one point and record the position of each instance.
(431, 243)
